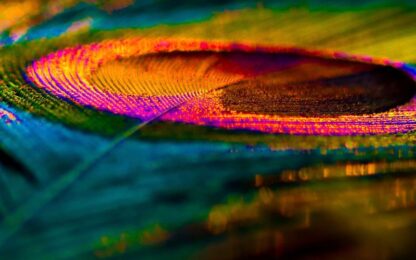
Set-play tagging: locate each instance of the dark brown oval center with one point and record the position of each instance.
(321, 87)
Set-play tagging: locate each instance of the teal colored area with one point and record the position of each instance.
(163, 182)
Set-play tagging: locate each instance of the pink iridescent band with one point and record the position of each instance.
(67, 74)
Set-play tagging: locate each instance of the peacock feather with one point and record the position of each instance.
(207, 129)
